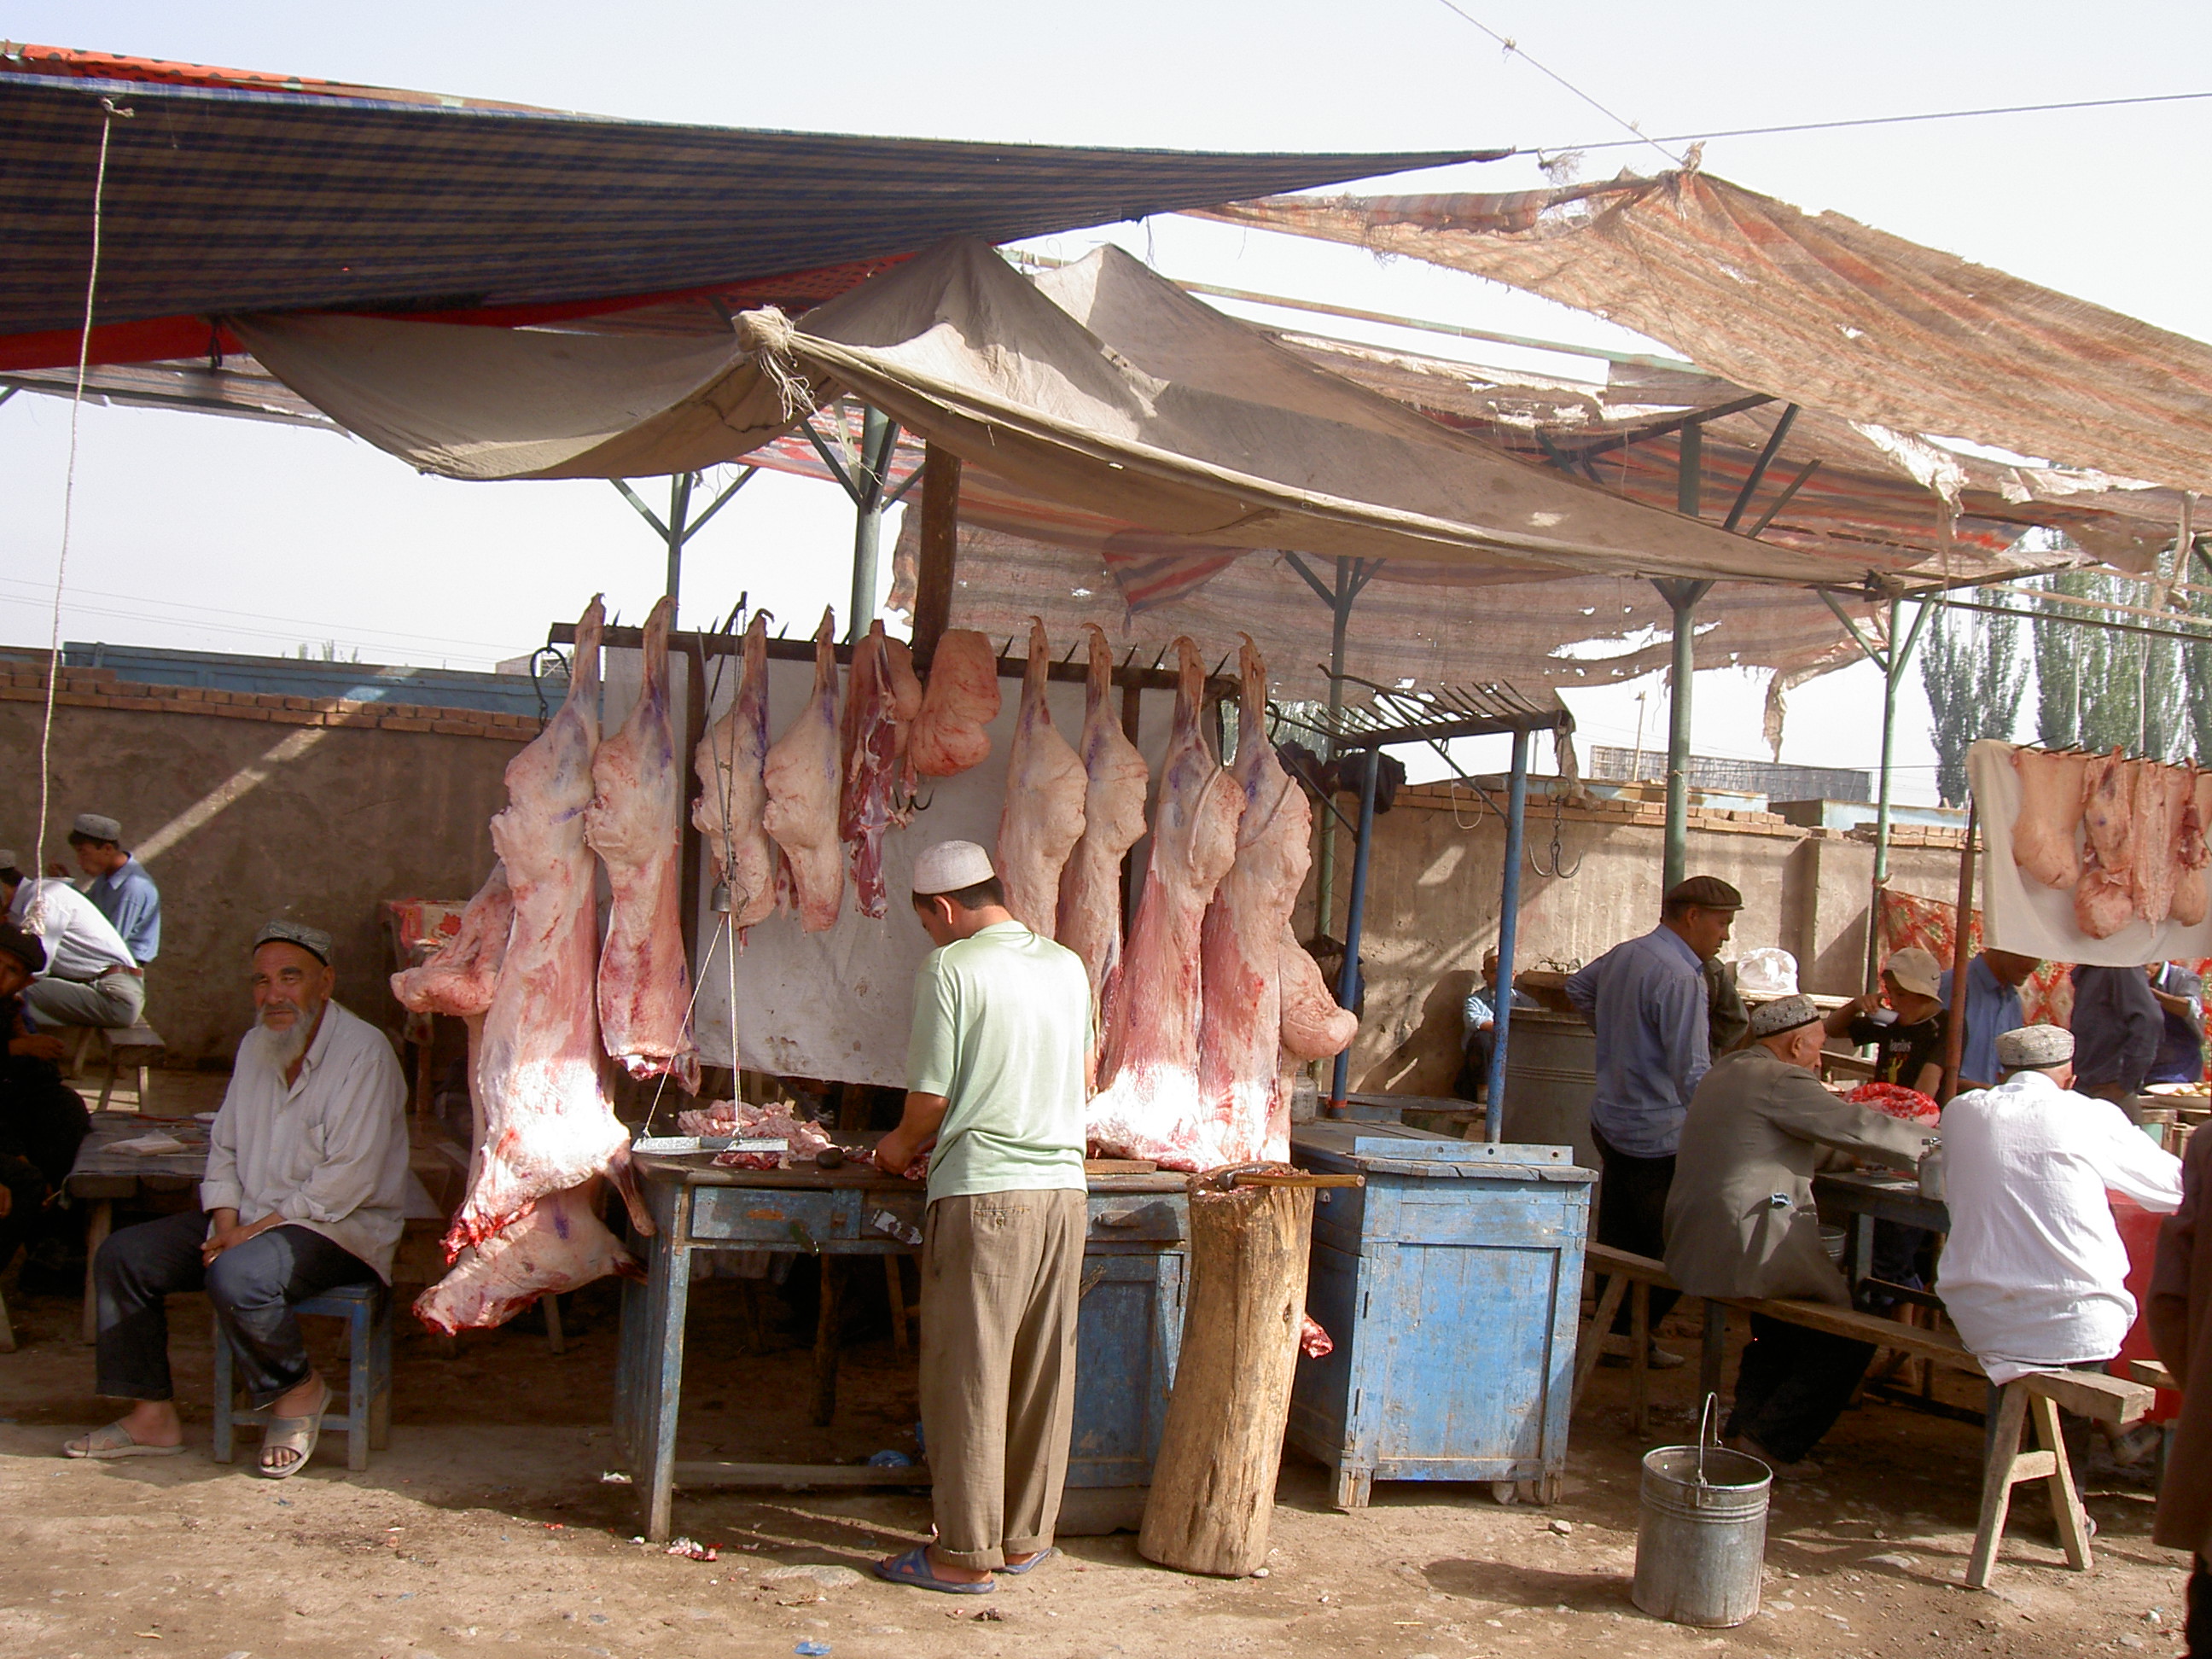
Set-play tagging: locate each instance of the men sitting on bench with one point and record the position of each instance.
(90, 978)
(42, 1120)
(2034, 1274)
(121, 889)
(1740, 1223)
(306, 1190)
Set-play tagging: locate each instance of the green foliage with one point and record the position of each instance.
(2102, 689)
(1972, 670)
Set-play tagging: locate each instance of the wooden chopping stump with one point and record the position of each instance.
(1212, 1496)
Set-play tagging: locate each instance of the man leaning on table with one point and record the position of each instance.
(1001, 1028)
(1741, 1221)
(90, 977)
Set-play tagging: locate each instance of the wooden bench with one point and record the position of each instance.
(139, 1047)
(2039, 1396)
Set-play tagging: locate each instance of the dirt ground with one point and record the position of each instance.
(487, 1524)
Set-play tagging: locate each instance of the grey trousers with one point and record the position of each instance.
(116, 1000)
(1000, 1276)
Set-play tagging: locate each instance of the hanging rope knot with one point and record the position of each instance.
(771, 339)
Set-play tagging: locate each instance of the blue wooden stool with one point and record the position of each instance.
(366, 1419)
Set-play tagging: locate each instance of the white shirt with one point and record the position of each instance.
(2033, 1274)
(328, 1152)
(80, 943)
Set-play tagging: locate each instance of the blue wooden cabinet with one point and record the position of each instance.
(1451, 1284)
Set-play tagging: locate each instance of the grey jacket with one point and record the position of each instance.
(1756, 1129)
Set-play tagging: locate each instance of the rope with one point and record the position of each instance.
(110, 115)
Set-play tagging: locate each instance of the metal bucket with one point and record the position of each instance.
(1551, 1073)
(1701, 1544)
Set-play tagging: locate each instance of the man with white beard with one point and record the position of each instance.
(304, 1191)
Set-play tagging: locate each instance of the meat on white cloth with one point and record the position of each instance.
(960, 700)
(1116, 778)
(2046, 837)
(868, 803)
(1240, 1027)
(1042, 817)
(801, 774)
(1149, 1104)
(732, 794)
(548, 1126)
(635, 823)
(2163, 795)
(2190, 899)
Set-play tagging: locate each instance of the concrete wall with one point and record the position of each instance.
(1432, 906)
(254, 807)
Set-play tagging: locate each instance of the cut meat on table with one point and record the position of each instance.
(801, 774)
(2162, 795)
(958, 703)
(732, 794)
(1149, 1105)
(1240, 1027)
(1115, 779)
(868, 802)
(635, 823)
(459, 981)
(547, 1127)
(1314, 1027)
(1042, 817)
(2046, 839)
(561, 1244)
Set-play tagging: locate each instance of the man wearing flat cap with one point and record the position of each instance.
(1001, 1028)
(90, 977)
(121, 889)
(304, 1191)
(42, 1120)
(1648, 999)
(2034, 1274)
(1741, 1220)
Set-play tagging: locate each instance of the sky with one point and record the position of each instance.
(212, 534)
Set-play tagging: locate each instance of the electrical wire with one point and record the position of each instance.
(1513, 49)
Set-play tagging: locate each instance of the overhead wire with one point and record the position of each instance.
(1513, 49)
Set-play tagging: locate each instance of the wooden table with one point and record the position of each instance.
(168, 1181)
(1861, 1197)
(1129, 1326)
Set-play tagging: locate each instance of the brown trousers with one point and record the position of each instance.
(1001, 1276)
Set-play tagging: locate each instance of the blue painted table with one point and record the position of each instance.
(1450, 1284)
(1128, 1330)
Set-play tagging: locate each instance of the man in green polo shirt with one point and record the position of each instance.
(1001, 1026)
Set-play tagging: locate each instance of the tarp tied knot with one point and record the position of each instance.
(768, 336)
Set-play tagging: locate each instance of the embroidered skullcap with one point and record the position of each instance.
(951, 865)
(1782, 1014)
(2031, 1046)
(278, 931)
(93, 827)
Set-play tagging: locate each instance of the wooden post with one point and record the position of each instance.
(1954, 1030)
(940, 550)
(826, 1328)
(1212, 1498)
(692, 843)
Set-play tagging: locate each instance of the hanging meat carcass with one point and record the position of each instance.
(1115, 779)
(906, 708)
(1043, 818)
(2163, 795)
(2104, 897)
(868, 800)
(801, 777)
(1240, 1028)
(2045, 836)
(2190, 896)
(560, 1245)
(460, 979)
(548, 1126)
(732, 794)
(958, 704)
(1149, 1104)
(1314, 1027)
(635, 823)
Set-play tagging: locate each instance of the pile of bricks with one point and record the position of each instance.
(100, 688)
(1595, 809)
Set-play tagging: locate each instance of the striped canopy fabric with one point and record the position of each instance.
(230, 194)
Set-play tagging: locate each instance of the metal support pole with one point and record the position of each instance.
(1893, 663)
(877, 435)
(1955, 1034)
(678, 531)
(1325, 865)
(1681, 599)
(1347, 980)
(1509, 920)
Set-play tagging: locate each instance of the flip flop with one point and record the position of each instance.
(913, 1568)
(114, 1441)
(1037, 1560)
(297, 1434)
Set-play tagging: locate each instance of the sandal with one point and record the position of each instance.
(1037, 1560)
(115, 1441)
(913, 1568)
(292, 1434)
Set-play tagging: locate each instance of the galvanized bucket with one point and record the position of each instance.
(1701, 1544)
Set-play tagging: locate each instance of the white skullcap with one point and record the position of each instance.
(2033, 1047)
(1782, 1014)
(951, 865)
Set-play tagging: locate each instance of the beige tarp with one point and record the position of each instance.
(1819, 309)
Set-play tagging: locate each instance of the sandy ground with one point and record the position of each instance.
(487, 1524)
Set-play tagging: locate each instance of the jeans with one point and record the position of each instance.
(253, 1286)
(1631, 1215)
(1793, 1385)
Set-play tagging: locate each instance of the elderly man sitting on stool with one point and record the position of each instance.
(305, 1191)
(1740, 1223)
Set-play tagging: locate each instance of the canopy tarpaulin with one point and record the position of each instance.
(1109, 391)
(1819, 309)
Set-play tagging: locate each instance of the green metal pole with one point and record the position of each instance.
(679, 518)
(1325, 863)
(1893, 664)
(1682, 598)
(868, 519)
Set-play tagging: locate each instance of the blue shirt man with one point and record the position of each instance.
(121, 889)
(2180, 997)
(1993, 1007)
(2117, 1024)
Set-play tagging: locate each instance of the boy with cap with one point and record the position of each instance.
(1740, 1221)
(305, 1190)
(121, 889)
(1649, 1002)
(1909, 1044)
(995, 1065)
(2034, 1274)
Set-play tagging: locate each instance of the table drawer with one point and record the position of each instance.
(797, 1219)
(1132, 1217)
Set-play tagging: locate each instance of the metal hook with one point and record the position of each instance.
(1557, 873)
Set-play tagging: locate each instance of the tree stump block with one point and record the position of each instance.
(1213, 1496)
